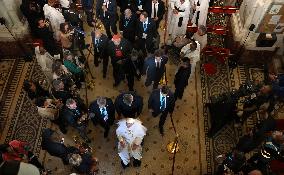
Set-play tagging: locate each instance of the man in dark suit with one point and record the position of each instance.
(100, 42)
(127, 25)
(161, 101)
(88, 9)
(155, 10)
(102, 112)
(181, 77)
(73, 114)
(106, 12)
(54, 145)
(119, 50)
(129, 105)
(154, 68)
(145, 33)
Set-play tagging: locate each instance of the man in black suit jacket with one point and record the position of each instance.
(54, 145)
(119, 50)
(161, 101)
(73, 114)
(156, 13)
(129, 105)
(145, 33)
(100, 42)
(106, 12)
(102, 112)
(154, 68)
(181, 77)
(127, 25)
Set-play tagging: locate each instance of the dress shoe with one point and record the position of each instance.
(162, 131)
(105, 134)
(136, 163)
(123, 165)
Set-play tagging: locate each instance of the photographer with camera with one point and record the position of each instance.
(66, 36)
(76, 67)
(74, 114)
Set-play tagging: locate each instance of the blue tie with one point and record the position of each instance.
(104, 113)
(163, 103)
(144, 26)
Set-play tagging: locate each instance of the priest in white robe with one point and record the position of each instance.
(55, 17)
(45, 61)
(201, 12)
(178, 17)
(130, 134)
(192, 51)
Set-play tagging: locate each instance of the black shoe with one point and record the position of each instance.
(124, 166)
(115, 84)
(88, 140)
(136, 163)
(105, 134)
(104, 76)
(162, 131)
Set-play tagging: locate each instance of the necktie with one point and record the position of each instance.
(104, 113)
(155, 11)
(144, 26)
(163, 103)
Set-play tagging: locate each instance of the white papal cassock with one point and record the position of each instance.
(55, 17)
(132, 135)
(175, 26)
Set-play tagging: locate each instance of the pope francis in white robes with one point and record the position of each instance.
(130, 134)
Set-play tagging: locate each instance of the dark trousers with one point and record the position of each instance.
(34, 161)
(146, 45)
(179, 92)
(105, 125)
(118, 73)
(130, 81)
(110, 24)
(102, 57)
(89, 15)
(157, 80)
(163, 117)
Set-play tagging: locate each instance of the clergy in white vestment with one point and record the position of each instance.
(201, 11)
(130, 134)
(178, 17)
(45, 61)
(201, 36)
(192, 51)
(55, 17)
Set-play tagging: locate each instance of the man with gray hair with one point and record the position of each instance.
(59, 91)
(102, 111)
(201, 36)
(129, 105)
(127, 25)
